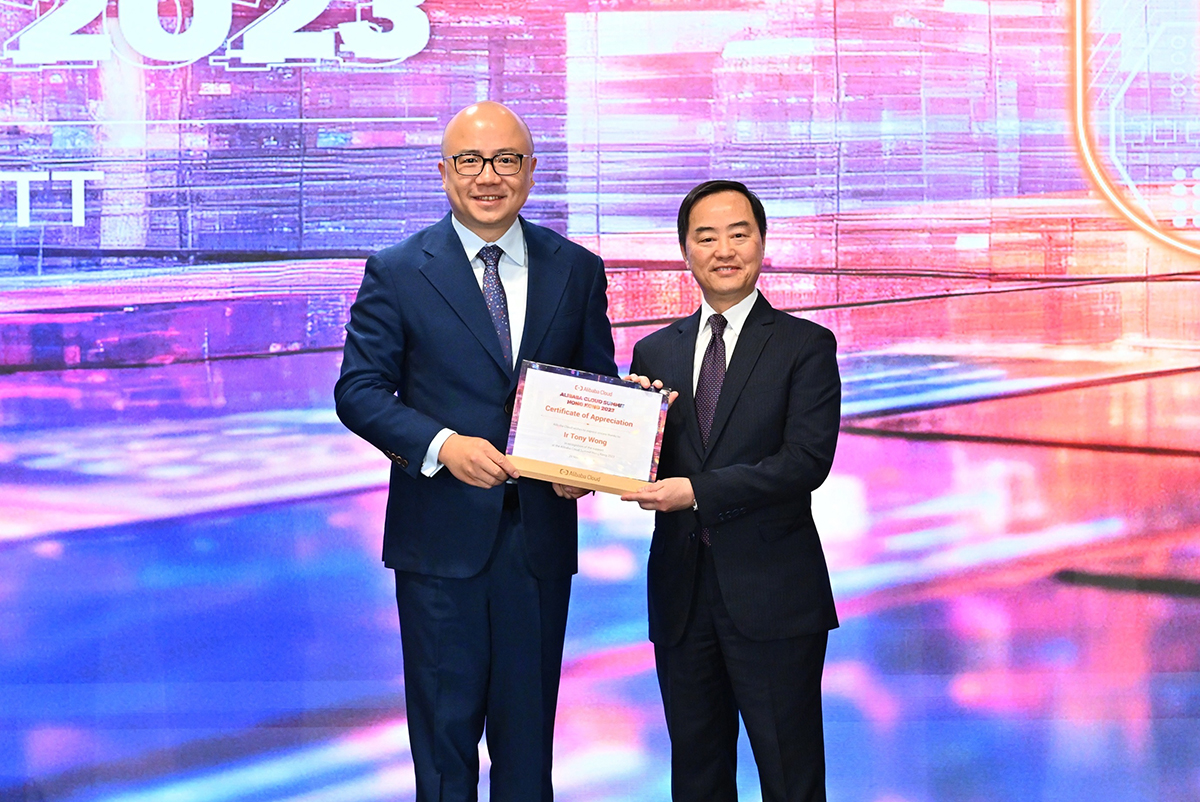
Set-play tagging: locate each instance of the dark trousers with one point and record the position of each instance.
(714, 674)
(483, 650)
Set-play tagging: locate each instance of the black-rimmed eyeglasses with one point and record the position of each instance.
(472, 164)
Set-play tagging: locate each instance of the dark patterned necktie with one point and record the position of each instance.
(493, 295)
(712, 375)
(708, 388)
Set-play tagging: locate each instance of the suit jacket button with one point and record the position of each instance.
(692, 536)
(403, 462)
(508, 407)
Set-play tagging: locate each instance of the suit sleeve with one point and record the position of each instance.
(810, 436)
(373, 358)
(635, 365)
(595, 351)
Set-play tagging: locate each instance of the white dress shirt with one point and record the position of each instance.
(735, 320)
(514, 275)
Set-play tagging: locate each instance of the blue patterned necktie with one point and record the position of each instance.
(493, 295)
(708, 388)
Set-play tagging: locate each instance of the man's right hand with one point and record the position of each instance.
(476, 461)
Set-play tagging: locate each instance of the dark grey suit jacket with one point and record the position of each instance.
(771, 445)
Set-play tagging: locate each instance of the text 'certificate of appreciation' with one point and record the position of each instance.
(585, 430)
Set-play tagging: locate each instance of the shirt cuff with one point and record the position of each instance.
(432, 464)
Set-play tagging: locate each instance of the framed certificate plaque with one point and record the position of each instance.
(585, 429)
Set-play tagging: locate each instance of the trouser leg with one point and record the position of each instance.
(528, 619)
(445, 681)
(699, 706)
(777, 689)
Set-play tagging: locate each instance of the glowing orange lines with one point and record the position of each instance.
(1083, 141)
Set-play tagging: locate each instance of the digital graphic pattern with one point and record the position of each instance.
(993, 204)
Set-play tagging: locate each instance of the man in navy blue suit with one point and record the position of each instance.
(483, 559)
(739, 594)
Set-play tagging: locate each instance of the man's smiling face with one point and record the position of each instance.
(487, 203)
(723, 248)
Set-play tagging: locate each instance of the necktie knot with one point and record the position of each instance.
(717, 323)
(490, 254)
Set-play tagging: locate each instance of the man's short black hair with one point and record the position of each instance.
(712, 188)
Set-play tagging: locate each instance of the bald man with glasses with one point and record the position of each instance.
(483, 558)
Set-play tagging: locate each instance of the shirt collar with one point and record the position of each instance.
(735, 316)
(512, 242)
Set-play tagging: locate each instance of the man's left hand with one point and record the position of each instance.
(665, 495)
(646, 384)
(567, 491)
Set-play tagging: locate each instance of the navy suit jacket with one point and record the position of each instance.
(771, 444)
(422, 354)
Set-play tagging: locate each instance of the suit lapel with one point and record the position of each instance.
(450, 273)
(547, 282)
(682, 366)
(750, 343)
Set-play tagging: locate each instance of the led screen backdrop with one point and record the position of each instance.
(994, 205)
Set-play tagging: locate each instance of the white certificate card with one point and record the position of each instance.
(586, 430)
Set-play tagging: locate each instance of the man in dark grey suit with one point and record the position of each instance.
(483, 559)
(739, 595)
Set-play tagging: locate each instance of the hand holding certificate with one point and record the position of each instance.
(586, 430)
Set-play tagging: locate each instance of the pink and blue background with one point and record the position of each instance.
(993, 204)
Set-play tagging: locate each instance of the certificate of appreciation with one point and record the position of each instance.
(585, 430)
